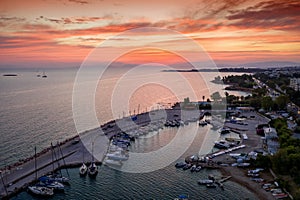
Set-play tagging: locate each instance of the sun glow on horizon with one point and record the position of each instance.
(37, 31)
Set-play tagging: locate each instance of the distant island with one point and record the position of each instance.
(10, 75)
(232, 69)
(241, 69)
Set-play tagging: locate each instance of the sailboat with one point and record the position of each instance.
(83, 169)
(93, 169)
(38, 73)
(45, 181)
(58, 176)
(41, 191)
(38, 189)
(44, 75)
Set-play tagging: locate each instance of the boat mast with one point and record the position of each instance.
(62, 155)
(82, 153)
(52, 156)
(3, 183)
(35, 165)
(56, 159)
(92, 152)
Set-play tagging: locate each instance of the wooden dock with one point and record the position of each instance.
(224, 179)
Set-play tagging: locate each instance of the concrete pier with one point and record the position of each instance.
(18, 176)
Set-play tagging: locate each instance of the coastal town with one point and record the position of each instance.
(258, 134)
(127, 99)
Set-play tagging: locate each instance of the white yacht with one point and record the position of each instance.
(93, 170)
(83, 170)
(205, 181)
(118, 156)
(41, 191)
(113, 162)
(52, 185)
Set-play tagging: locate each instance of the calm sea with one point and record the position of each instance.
(166, 183)
(35, 111)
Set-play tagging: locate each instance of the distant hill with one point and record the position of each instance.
(269, 64)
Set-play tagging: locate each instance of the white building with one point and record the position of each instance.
(271, 140)
(295, 83)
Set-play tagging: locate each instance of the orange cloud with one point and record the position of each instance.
(150, 55)
(230, 31)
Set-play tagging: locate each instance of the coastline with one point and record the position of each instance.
(22, 174)
(239, 175)
(18, 176)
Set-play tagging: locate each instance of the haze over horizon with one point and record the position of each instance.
(61, 33)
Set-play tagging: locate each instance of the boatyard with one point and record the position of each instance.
(234, 162)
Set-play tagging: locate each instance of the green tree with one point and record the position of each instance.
(260, 92)
(218, 78)
(226, 94)
(281, 101)
(262, 161)
(242, 98)
(267, 103)
(186, 100)
(216, 96)
(255, 103)
(271, 84)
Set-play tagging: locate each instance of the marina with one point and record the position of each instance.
(150, 133)
(115, 149)
(149, 100)
(21, 175)
(114, 152)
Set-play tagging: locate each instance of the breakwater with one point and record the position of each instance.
(18, 176)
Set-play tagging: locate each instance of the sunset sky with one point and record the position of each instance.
(58, 33)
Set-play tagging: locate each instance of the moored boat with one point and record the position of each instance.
(93, 170)
(180, 164)
(83, 170)
(202, 123)
(187, 166)
(205, 181)
(221, 144)
(243, 165)
(40, 191)
(113, 162)
(207, 121)
(198, 168)
(225, 130)
(44, 181)
(118, 155)
(211, 185)
(59, 179)
(193, 168)
(182, 197)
